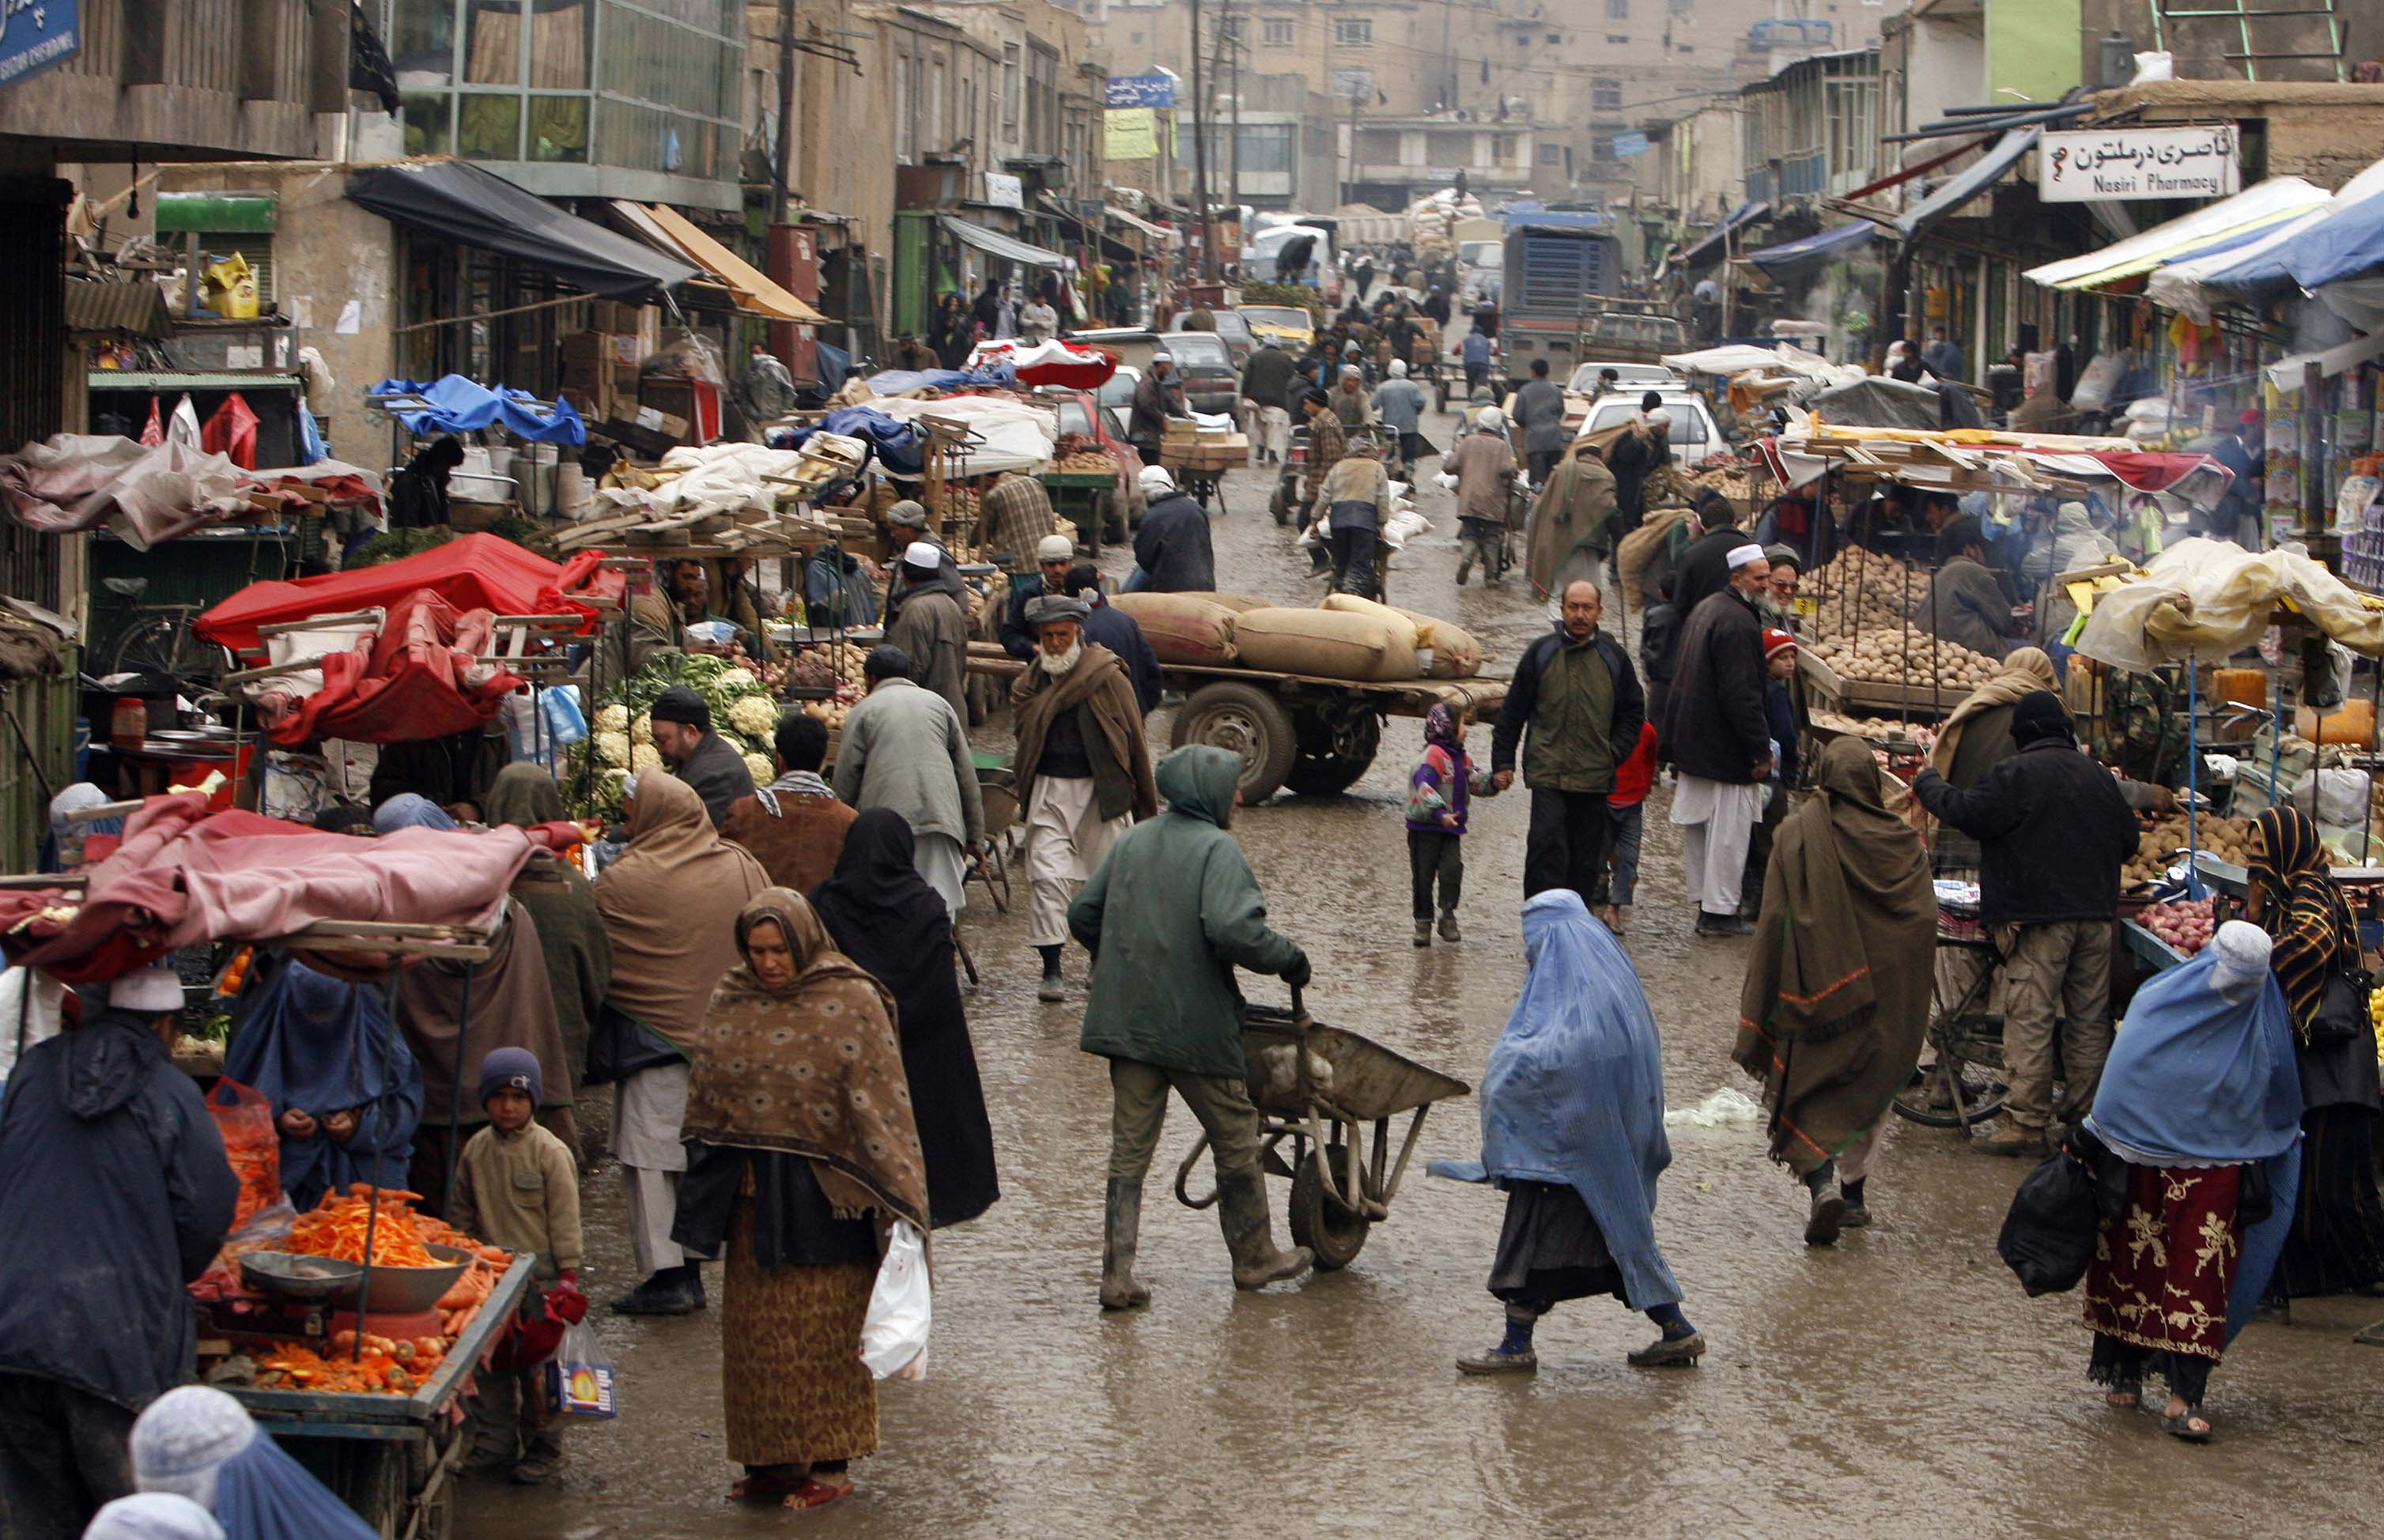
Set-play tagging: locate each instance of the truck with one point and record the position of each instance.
(1560, 279)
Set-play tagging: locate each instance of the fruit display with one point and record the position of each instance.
(1860, 589)
(1729, 477)
(1893, 657)
(836, 666)
(2228, 838)
(2185, 925)
(2376, 1020)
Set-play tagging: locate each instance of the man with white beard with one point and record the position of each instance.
(1083, 768)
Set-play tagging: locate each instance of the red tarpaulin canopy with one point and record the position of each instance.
(182, 875)
(473, 572)
(415, 680)
(1053, 363)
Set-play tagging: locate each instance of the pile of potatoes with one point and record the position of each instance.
(2228, 838)
(1883, 728)
(1893, 657)
(1860, 591)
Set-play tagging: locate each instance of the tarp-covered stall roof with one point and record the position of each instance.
(460, 202)
(1969, 182)
(995, 244)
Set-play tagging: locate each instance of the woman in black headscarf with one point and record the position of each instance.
(2336, 1245)
(881, 914)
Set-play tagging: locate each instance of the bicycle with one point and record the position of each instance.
(159, 638)
(1961, 1078)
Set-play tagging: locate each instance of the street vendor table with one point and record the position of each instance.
(391, 1457)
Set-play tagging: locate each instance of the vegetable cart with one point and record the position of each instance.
(1082, 498)
(392, 1458)
(1317, 1086)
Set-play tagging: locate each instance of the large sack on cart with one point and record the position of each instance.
(1634, 559)
(1455, 654)
(1331, 644)
(1182, 628)
(1237, 602)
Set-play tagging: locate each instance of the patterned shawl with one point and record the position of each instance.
(2300, 908)
(812, 1069)
(668, 906)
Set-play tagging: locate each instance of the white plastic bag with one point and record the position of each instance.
(578, 1381)
(894, 1333)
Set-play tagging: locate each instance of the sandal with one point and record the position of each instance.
(764, 1486)
(815, 1493)
(2183, 1426)
(2125, 1396)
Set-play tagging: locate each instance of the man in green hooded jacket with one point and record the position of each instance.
(1169, 914)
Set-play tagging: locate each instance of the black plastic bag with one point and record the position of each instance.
(2048, 1236)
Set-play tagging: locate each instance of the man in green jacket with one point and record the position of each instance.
(1169, 915)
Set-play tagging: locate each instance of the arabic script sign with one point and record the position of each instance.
(2090, 165)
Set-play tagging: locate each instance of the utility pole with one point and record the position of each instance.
(1236, 40)
(1200, 157)
(786, 111)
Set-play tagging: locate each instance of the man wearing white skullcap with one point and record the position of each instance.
(1398, 401)
(927, 617)
(114, 1195)
(1715, 730)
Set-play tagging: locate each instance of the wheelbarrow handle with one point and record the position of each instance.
(1298, 1011)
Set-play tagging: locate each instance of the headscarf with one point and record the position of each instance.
(407, 810)
(1440, 727)
(812, 1069)
(322, 1044)
(2023, 669)
(522, 795)
(669, 905)
(882, 914)
(1574, 1092)
(2037, 716)
(2301, 909)
(196, 1442)
(153, 1516)
(512, 1005)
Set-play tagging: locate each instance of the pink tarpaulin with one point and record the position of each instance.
(2146, 471)
(472, 572)
(145, 493)
(184, 875)
(415, 679)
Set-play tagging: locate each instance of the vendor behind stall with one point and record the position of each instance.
(696, 754)
(114, 1194)
(1965, 604)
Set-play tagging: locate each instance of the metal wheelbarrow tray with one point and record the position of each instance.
(1338, 1189)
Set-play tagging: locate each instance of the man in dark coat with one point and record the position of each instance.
(1965, 604)
(1642, 447)
(1173, 544)
(114, 1195)
(1575, 690)
(1704, 567)
(2053, 832)
(1719, 735)
(1110, 627)
(1157, 397)
(927, 617)
(683, 735)
(1539, 421)
(1267, 389)
(1169, 915)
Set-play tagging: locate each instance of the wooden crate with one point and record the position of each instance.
(1865, 697)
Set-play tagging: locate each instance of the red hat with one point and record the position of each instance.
(1774, 640)
(2250, 416)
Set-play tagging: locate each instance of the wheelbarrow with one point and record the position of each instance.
(1318, 1087)
(997, 789)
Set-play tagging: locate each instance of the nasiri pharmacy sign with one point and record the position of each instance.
(2090, 165)
(36, 34)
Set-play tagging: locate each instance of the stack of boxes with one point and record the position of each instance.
(600, 367)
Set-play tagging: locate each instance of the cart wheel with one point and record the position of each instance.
(1332, 760)
(1247, 721)
(1335, 1234)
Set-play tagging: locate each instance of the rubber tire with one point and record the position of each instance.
(1317, 770)
(1275, 744)
(1334, 1235)
(1912, 1103)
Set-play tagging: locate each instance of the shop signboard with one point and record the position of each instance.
(1004, 190)
(1154, 90)
(2122, 164)
(36, 35)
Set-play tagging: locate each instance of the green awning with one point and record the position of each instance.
(215, 213)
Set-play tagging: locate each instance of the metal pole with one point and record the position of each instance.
(2193, 781)
(455, 1100)
(1236, 40)
(1200, 157)
(372, 1199)
(778, 190)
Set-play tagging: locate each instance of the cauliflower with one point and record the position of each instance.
(613, 719)
(644, 757)
(642, 730)
(612, 746)
(756, 717)
(763, 772)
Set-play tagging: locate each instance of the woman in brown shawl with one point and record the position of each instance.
(1978, 737)
(803, 1151)
(670, 905)
(2336, 1245)
(510, 1005)
(1837, 986)
(570, 931)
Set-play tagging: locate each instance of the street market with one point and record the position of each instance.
(635, 771)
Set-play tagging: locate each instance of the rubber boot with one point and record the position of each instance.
(1465, 564)
(1250, 1235)
(1121, 1230)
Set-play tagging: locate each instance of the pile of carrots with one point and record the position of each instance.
(384, 1367)
(336, 1226)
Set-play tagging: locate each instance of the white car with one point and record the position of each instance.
(1694, 434)
(1628, 377)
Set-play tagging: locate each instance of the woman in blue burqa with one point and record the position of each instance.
(1573, 1127)
(2201, 1105)
(346, 1095)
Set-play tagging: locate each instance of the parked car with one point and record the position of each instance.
(1630, 377)
(1694, 434)
(1231, 328)
(1212, 383)
(1289, 324)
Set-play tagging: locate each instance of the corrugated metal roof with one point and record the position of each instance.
(175, 379)
(138, 307)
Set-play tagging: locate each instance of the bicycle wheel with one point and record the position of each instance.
(165, 645)
(1967, 1066)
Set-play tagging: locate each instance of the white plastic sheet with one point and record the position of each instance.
(2210, 599)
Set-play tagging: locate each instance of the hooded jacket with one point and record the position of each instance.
(1168, 915)
(1173, 546)
(929, 621)
(114, 1194)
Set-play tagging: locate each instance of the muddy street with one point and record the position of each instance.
(1898, 1384)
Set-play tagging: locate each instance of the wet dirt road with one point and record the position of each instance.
(1899, 1384)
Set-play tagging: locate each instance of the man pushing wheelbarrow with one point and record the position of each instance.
(1169, 914)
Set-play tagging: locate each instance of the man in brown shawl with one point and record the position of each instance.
(1837, 983)
(1573, 524)
(670, 904)
(1083, 767)
(803, 1153)
(795, 826)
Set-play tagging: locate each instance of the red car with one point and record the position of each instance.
(1082, 413)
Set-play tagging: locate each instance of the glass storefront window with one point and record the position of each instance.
(422, 41)
(492, 42)
(558, 127)
(561, 41)
(426, 122)
(487, 127)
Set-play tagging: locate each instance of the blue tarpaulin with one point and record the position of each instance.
(1829, 244)
(894, 444)
(460, 405)
(2344, 242)
(1711, 249)
(895, 382)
